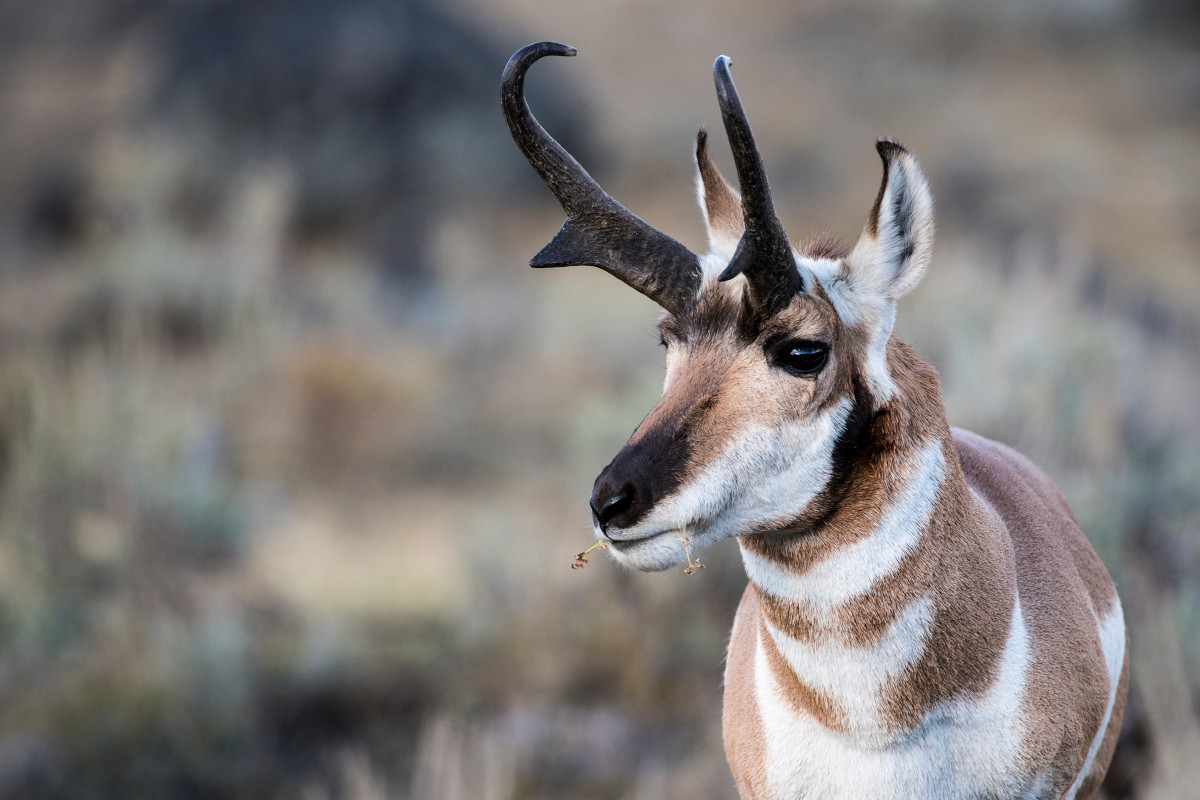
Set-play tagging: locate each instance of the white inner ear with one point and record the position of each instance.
(886, 264)
(723, 236)
(892, 261)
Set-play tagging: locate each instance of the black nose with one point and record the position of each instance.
(610, 504)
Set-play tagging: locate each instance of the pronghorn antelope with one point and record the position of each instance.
(924, 617)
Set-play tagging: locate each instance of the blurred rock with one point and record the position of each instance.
(54, 214)
(388, 112)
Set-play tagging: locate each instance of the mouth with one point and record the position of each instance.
(625, 545)
(656, 552)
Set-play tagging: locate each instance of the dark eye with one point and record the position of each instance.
(802, 358)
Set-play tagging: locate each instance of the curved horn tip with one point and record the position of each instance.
(550, 48)
(721, 75)
(532, 52)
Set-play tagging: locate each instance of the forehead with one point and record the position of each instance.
(723, 312)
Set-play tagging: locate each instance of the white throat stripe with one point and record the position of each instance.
(852, 571)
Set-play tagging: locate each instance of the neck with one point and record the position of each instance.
(898, 596)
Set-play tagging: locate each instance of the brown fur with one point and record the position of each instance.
(1058, 600)
(1000, 526)
(722, 205)
(1090, 789)
(741, 725)
(971, 571)
(718, 387)
(827, 245)
(851, 511)
(961, 559)
(803, 698)
(888, 151)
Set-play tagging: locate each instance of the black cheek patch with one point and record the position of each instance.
(852, 441)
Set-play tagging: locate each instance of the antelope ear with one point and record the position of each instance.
(893, 251)
(721, 204)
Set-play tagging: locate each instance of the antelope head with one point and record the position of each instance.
(777, 356)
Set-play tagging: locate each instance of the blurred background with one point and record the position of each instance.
(295, 449)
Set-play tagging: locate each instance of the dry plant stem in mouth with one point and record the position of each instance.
(692, 566)
(582, 558)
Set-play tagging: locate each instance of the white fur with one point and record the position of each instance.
(877, 272)
(712, 265)
(966, 747)
(854, 570)
(1112, 641)
(879, 377)
(765, 476)
(857, 305)
(826, 270)
(877, 263)
(856, 678)
(854, 307)
(719, 244)
(834, 278)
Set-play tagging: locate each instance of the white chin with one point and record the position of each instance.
(653, 553)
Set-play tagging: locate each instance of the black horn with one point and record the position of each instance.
(599, 231)
(764, 253)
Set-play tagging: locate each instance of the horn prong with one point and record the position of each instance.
(599, 231)
(764, 253)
